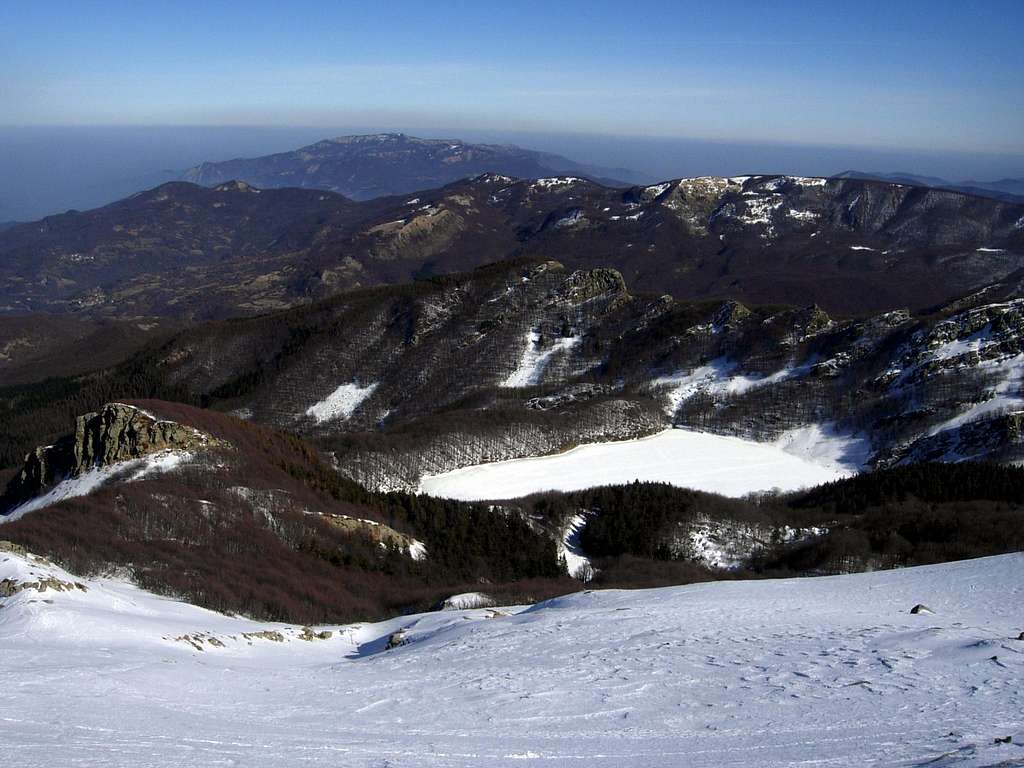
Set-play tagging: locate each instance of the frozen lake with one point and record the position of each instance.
(727, 465)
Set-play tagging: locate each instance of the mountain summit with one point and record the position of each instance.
(374, 165)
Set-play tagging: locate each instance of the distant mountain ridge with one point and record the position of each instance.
(374, 165)
(191, 252)
(1008, 190)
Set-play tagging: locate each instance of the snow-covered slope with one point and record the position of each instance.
(828, 671)
(89, 481)
(706, 462)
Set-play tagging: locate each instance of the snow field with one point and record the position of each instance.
(825, 671)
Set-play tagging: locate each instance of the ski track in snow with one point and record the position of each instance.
(716, 463)
(815, 671)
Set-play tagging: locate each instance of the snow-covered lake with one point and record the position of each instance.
(727, 465)
(815, 671)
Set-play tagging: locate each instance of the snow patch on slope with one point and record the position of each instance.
(803, 215)
(570, 219)
(715, 378)
(760, 209)
(729, 545)
(824, 445)
(1005, 396)
(976, 342)
(341, 403)
(531, 366)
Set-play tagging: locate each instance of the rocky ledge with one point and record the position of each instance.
(114, 434)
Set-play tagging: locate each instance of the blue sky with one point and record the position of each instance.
(933, 76)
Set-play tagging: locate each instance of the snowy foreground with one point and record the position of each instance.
(828, 671)
(706, 462)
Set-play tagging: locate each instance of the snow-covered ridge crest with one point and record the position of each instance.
(556, 181)
(96, 477)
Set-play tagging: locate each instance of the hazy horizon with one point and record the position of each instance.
(919, 74)
(106, 97)
(55, 168)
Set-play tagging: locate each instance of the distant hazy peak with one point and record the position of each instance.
(382, 164)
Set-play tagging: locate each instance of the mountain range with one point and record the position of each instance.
(249, 374)
(189, 252)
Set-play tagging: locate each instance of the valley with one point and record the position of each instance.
(443, 386)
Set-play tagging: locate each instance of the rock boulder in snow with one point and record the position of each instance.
(466, 601)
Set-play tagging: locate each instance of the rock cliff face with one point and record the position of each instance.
(122, 432)
(114, 434)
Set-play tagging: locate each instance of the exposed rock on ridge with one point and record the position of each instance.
(114, 434)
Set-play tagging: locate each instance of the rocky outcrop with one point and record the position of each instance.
(122, 432)
(10, 587)
(114, 434)
(583, 285)
(383, 534)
